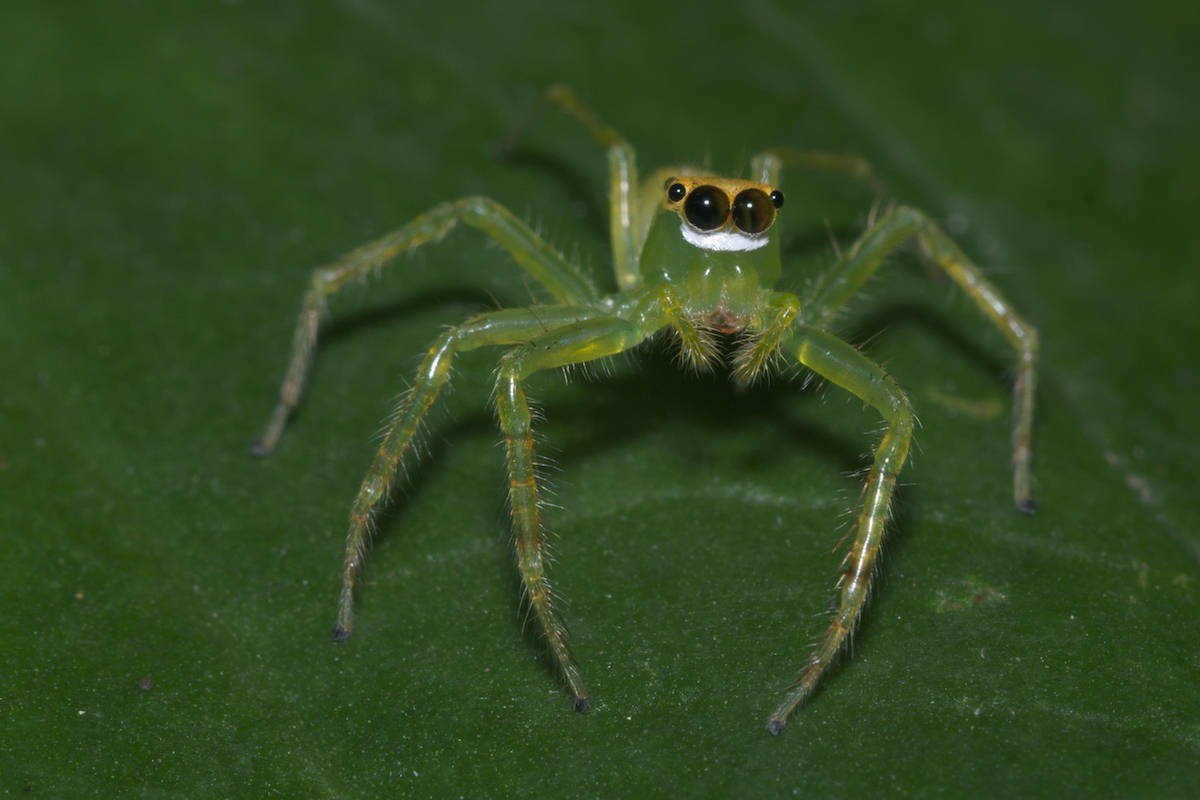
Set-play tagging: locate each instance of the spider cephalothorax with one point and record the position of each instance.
(694, 254)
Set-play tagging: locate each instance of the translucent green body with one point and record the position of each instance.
(695, 255)
(710, 280)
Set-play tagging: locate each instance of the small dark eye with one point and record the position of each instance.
(752, 211)
(675, 192)
(707, 208)
(777, 198)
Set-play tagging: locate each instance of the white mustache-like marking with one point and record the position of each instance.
(721, 240)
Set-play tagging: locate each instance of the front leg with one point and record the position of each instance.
(504, 327)
(841, 364)
(573, 344)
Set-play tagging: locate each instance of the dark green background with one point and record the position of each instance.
(171, 174)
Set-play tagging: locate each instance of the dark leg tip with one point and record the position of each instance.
(775, 726)
(340, 634)
(1028, 506)
(259, 449)
(582, 704)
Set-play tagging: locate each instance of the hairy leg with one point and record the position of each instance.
(573, 344)
(842, 365)
(565, 283)
(495, 328)
(767, 166)
(845, 278)
(622, 176)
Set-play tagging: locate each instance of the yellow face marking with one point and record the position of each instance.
(731, 186)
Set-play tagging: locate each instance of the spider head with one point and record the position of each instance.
(723, 214)
(708, 226)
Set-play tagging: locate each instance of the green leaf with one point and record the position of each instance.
(172, 173)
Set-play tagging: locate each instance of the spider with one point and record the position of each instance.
(696, 255)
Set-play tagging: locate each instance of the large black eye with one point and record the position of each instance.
(706, 207)
(753, 211)
(675, 192)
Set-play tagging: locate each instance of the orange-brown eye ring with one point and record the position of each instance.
(753, 210)
(707, 208)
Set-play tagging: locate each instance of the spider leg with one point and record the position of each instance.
(506, 327)
(754, 359)
(623, 215)
(767, 165)
(841, 283)
(844, 366)
(572, 344)
(565, 283)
